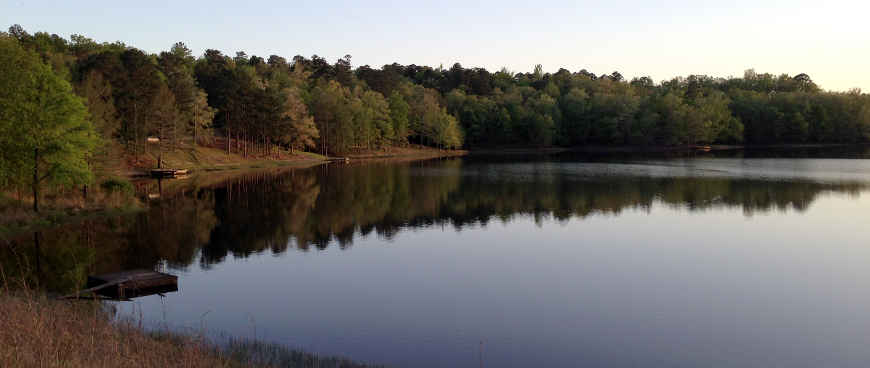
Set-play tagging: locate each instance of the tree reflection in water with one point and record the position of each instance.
(205, 220)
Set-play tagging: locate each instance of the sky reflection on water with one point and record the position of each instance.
(557, 263)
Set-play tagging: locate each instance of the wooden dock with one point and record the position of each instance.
(132, 284)
(167, 173)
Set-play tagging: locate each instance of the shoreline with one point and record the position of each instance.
(512, 151)
(707, 148)
(143, 173)
(19, 219)
(404, 154)
(301, 160)
(220, 166)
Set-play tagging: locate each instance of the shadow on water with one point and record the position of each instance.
(200, 222)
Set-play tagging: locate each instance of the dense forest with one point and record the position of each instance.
(66, 100)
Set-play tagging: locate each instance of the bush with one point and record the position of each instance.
(117, 185)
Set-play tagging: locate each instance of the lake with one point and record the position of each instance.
(721, 260)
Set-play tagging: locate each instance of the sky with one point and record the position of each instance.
(828, 40)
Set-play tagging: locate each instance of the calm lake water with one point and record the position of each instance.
(747, 260)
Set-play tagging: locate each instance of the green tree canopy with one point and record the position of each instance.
(45, 134)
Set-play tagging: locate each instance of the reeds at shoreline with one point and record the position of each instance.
(39, 331)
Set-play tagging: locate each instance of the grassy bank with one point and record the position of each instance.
(39, 332)
(413, 152)
(112, 192)
(202, 158)
(36, 331)
(517, 151)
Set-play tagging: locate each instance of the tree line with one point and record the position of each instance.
(256, 104)
(575, 109)
(106, 94)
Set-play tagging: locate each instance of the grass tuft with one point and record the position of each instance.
(258, 353)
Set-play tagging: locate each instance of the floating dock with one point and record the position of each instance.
(132, 284)
(167, 173)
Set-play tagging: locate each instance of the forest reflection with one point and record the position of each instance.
(200, 222)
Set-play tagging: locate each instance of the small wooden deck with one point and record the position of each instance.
(167, 173)
(132, 284)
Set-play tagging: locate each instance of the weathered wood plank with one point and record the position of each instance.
(168, 173)
(133, 283)
(94, 289)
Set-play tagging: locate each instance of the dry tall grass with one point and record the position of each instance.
(36, 331)
(39, 331)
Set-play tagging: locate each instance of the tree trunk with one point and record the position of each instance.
(38, 257)
(229, 131)
(194, 127)
(136, 131)
(176, 136)
(36, 179)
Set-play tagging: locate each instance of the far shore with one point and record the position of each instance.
(214, 165)
(706, 148)
(204, 159)
(509, 150)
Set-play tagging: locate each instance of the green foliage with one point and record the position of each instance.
(333, 111)
(376, 120)
(97, 92)
(203, 116)
(45, 133)
(399, 110)
(177, 66)
(117, 185)
(301, 132)
(15, 72)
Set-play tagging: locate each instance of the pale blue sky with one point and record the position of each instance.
(829, 40)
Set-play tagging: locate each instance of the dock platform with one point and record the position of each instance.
(167, 173)
(132, 284)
